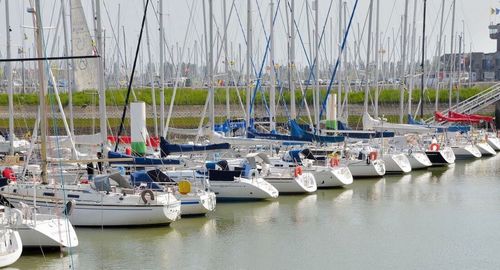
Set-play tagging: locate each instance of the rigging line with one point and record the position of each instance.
(319, 43)
(120, 55)
(389, 21)
(177, 72)
(131, 76)
(47, 66)
(264, 59)
(257, 85)
(169, 52)
(346, 34)
(245, 39)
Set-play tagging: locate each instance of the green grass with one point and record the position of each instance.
(188, 96)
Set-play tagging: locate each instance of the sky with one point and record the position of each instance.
(184, 27)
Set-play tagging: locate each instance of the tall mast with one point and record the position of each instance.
(162, 71)
(412, 53)
(8, 71)
(403, 64)
(452, 56)
(423, 65)
(367, 86)
(439, 56)
(210, 65)
(249, 61)
(291, 66)
(339, 79)
(316, 65)
(43, 90)
(377, 53)
(151, 77)
(346, 72)
(226, 64)
(69, 89)
(100, 76)
(272, 87)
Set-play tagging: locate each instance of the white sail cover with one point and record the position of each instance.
(82, 44)
(370, 123)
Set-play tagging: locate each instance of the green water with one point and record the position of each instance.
(442, 218)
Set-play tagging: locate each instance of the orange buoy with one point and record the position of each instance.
(373, 155)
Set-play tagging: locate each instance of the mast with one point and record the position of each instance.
(423, 65)
(226, 64)
(339, 79)
(377, 52)
(291, 66)
(210, 65)
(316, 65)
(452, 56)
(439, 56)
(162, 70)
(151, 77)
(248, 61)
(412, 53)
(10, 89)
(43, 90)
(403, 64)
(69, 89)
(345, 71)
(272, 87)
(100, 77)
(367, 85)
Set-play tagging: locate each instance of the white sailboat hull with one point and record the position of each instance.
(11, 247)
(396, 163)
(442, 157)
(494, 142)
(360, 168)
(238, 189)
(466, 151)
(331, 176)
(244, 189)
(485, 149)
(418, 160)
(304, 183)
(197, 204)
(47, 231)
(93, 208)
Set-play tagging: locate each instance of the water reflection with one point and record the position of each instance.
(449, 211)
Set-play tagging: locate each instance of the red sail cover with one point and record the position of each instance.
(472, 116)
(442, 118)
(151, 141)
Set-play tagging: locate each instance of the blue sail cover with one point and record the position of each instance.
(297, 131)
(441, 129)
(139, 177)
(141, 160)
(168, 148)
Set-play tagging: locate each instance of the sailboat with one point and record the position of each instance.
(106, 200)
(12, 246)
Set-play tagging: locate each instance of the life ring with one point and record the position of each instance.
(298, 171)
(151, 195)
(434, 147)
(334, 161)
(373, 155)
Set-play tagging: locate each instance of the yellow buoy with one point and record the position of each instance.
(184, 187)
